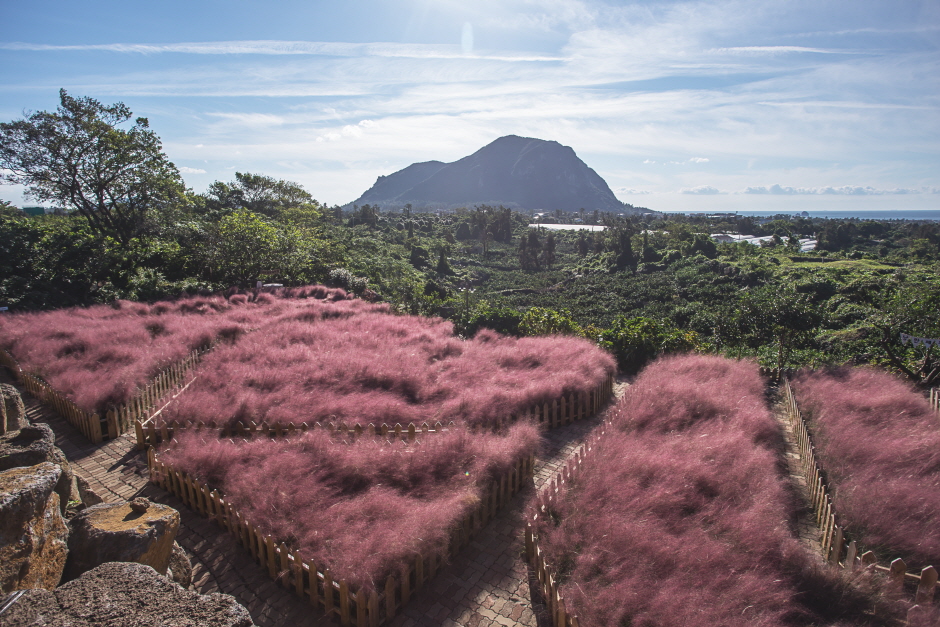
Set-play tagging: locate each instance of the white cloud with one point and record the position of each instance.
(705, 190)
(629, 191)
(187, 170)
(698, 160)
(845, 190)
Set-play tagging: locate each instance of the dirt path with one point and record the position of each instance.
(486, 585)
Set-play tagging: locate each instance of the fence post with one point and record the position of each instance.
(928, 583)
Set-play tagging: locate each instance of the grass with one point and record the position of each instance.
(364, 509)
(376, 368)
(100, 356)
(683, 515)
(878, 441)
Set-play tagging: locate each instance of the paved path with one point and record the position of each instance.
(487, 585)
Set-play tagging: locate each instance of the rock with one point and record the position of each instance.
(86, 495)
(12, 409)
(181, 569)
(33, 534)
(35, 444)
(122, 595)
(140, 504)
(114, 532)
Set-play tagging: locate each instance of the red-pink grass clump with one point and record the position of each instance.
(364, 509)
(878, 443)
(100, 355)
(379, 368)
(682, 516)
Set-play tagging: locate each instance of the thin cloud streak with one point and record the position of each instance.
(272, 47)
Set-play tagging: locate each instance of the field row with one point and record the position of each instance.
(283, 357)
(678, 512)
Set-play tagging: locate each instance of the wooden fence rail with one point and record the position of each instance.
(315, 583)
(833, 535)
(560, 412)
(116, 421)
(545, 502)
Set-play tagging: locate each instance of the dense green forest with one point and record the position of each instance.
(646, 284)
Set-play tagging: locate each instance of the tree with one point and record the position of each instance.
(259, 194)
(76, 157)
(911, 309)
(548, 254)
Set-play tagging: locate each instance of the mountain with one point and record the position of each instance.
(517, 172)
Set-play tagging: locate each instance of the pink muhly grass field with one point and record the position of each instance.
(878, 441)
(364, 509)
(379, 368)
(99, 356)
(682, 517)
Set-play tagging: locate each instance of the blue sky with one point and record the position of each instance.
(784, 105)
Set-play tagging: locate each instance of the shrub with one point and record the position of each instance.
(378, 368)
(636, 341)
(681, 515)
(364, 509)
(878, 441)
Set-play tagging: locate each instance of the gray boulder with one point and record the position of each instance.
(180, 569)
(122, 595)
(135, 531)
(12, 409)
(33, 534)
(35, 444)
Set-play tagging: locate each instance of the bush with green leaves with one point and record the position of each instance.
(636, 341)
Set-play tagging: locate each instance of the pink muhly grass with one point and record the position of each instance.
(364, 509)
(378, 368)
(681, 516)
(99, 356)
(878, 441)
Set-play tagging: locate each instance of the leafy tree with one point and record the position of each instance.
(779, 315)
(636, 341)
(911, 309)
(548, 254)
(246, 247)
(118, 180)
(259, 194)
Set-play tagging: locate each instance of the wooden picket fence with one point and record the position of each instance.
(149, 434)
(833, 535)
(116, 421)
(545, 502)
(935, 399)
(315, 583)
(558, 413)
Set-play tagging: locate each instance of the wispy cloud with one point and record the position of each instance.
(187, 170)
(274, 47)
(779, 50)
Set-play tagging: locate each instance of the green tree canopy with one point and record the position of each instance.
(259, 194)
(78, 158)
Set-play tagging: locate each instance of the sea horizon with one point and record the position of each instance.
(889, 214)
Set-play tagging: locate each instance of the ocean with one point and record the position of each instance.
(898, 214)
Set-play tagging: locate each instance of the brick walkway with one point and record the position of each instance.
(486, 585)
